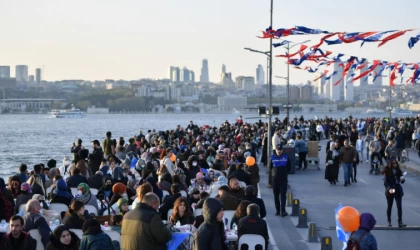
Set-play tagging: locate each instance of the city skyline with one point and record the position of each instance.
(70, 46)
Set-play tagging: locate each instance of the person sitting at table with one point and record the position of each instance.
(141, 191)
(199, 182)
(252, 197)
(105, 193)
(168, 202)
(37, 186)
(210, 234)
(17, 239)
(214, 188)
(24, 197)
(41, 200)
(229, 201)
(14, 186)
(240, 174)
(194, 197)
(118, 189)
(76, 178)
(61, 194)
(165, 182)
(122, 206)
(240, 213)
(34, 220)
(235, 189)
(182, 212)
(253, 224)
(86, 196)
(62, 238)
(116, 223)
(203, 196)
(94, 238)
(152, 181)
(209, 178)
(75, 218)
(177, 180)
(163, 170)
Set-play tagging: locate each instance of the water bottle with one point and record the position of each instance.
(235, 228)
(3, 222)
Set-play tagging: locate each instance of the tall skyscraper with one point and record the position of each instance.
(192, 76)
(4, 71)
(319, 86)
(363, 82)
(223, 68)
(204, 77)
(184, 75)
(260, 74)
(31, 78)
(22, 73)
(176, 76)
(348, 91)
(38, 75)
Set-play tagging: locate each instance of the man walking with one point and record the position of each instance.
(301, 149)
(347, 157)
(280, 166)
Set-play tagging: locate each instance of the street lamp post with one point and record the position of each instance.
(389, 108)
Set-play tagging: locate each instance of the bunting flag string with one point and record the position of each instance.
(343, 37)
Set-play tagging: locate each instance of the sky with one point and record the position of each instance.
(133, 39)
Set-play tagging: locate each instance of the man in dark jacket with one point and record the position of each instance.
(280, 167)
(142, 228)
(76, 178)
(95, 181)
(399, 144)
(95, 158)
(210, 234)
(235, 188)
(33, 220)
(252, 197)
(16, 239)
(240, 174)
(229, 201)
(253, 224)
(168, 202)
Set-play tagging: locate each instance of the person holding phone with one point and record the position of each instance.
(393, 178)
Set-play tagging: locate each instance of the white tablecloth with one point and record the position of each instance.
(3, 227)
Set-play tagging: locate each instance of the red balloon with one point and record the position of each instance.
(250, 161)
(349, 218)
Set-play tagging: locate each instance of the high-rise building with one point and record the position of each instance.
(245, 82)
(319, 86)
(31, 78)
(204, 77)
(349, 91)
(337, 90)
(223, 68)
(38, 75)
(327, 89)
(306, 92)
(227, 81)
(260, 75)
(192, 76)
(175, 76)
(363, 82)
(184, 75)
(21, 73)
(4, 71)
(294, 93)
(170, 69)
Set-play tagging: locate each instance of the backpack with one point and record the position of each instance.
(353, 244)
(118, 174)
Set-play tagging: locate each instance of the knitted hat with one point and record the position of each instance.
(121, 202)
(118, 188)
(25, 187)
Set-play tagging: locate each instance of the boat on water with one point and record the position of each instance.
(375, 111)
(67, 113)
(400, 111)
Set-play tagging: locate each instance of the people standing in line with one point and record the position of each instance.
(16, 239)
(302, 150)
(393, 178)
(332, 162)
(347, 156)
(280, 167)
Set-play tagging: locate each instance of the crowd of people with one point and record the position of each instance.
(139, 181)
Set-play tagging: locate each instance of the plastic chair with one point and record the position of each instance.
(243, 184)
(73, 191)
(252, 240)
(59, 207)
(114, 235)
(49, 190)
(94, 191)
(37, 236)
(197, 212)
(228, 214)
(170, 211)
(78, 232)
(91, 209)
(183, 193)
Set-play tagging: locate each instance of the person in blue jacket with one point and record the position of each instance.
(280, 166)
(366, 240)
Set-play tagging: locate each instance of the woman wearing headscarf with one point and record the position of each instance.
(332, 163)
(14, 186)
(61, 194)
(214, 188)
(37, 186)
(24, 197)
(122, 206)
(86, 196)
(118, 189)
(105, 193)
(63, 239)
(152, 181)
(94, 238)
